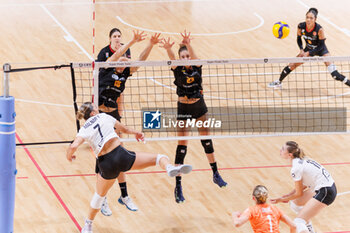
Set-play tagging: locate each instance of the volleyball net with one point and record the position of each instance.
(236, 92)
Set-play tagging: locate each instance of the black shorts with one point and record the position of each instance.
(189, 111)
(116, 115)
(326, 195)
(320, 53)
(114, 162)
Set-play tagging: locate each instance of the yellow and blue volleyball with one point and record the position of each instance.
(280, 30)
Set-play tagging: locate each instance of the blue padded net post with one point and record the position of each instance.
(7, 156)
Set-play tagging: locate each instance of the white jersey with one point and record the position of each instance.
(98, 130)
(314, 175)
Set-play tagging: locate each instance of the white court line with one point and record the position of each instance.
(44, 103)
(343, 30)
(343, 193)
(99, 3)
(68, 35)
(196, 34)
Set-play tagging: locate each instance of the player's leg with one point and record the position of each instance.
(143, 160)
(181, 151)
(285, 72)
(209, 151)
(297, 205)
(335, 73)
(102, 187)
(310, 209)
(124, 199)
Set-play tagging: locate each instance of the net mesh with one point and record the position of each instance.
(236, 94)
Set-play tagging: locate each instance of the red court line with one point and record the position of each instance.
(22, 177)
(197, 170)
(338, 232)
(49, 184)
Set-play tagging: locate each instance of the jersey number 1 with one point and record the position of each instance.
(270, 222)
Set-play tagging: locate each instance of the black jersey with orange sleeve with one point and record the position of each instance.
(311, 37)
(112, 84)
(188, 81)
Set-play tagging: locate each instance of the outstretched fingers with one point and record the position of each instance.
(165, 43)
(186, 38)
(155, 38)
(139, 35)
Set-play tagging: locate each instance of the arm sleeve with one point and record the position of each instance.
(319, 47)
(300, 43)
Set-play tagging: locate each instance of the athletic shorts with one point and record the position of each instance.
(189, 111)
(116, 115)
(320, 53)
(326, 195)
(114, 162)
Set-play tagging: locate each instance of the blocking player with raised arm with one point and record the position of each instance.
(314, 187)
(190, 105)
(99, 131)
(263, 217)
(111, 86)
(314, 37)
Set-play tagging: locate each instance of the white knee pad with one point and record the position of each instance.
(331, 68)
(301, 225)
(159, 157)
(96, 201)
(295, 208)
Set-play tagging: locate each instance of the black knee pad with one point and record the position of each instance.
(208, 146)
(337, 76)
(181, 151)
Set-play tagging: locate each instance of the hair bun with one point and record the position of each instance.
(313, 10)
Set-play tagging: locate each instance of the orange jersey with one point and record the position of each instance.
(264, 218)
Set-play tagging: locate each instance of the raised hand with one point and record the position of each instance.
(139, 36)
(186, 38)
(155, 39)
(165, 43)
(236, 214)
(275, 200)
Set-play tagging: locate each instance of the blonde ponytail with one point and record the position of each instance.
(85, 111)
